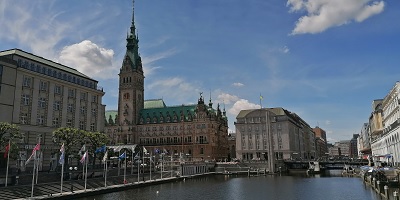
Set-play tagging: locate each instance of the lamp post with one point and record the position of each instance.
(71, 171)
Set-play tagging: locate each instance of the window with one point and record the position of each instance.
(1, 72)
(57, 89)
(25, 99)
(82, 110)
(94, 98)
(24, 118)
(42, 102)
(83, 96)
(40, 120)
(71, 93)
(93, 111)
(201, 150)
(92, 127)
(27, 82)
(55, 121)
(201, 139)
(56, 105)
(81, 125)
(70, 107)
(69, 122)
(43, 86)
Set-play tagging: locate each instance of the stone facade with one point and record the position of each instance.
(290, 136)
(191, 132)
(40, 95)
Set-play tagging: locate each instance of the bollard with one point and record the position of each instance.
(395, 195)
(378, 186)
(386, 188)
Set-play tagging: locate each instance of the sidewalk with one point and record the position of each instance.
(75, 187)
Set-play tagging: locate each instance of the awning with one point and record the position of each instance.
(117, 148)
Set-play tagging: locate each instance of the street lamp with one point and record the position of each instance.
(71, 169)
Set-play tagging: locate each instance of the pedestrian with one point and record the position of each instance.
(72, 188)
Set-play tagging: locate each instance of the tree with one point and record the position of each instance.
(9, 132)
(96, 140)
(70, 137)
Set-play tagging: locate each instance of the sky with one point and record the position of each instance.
(325, 60)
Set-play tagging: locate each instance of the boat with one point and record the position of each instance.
(348, 170)
(313, 167)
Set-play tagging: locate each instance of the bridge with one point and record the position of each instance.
(327, 164)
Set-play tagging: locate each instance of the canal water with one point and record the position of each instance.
(295, 187)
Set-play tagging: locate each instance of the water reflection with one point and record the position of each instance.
(327, 186)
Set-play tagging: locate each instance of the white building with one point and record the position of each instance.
(385, 146)
(40, 95)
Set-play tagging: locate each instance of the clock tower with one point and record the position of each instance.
(131, 86)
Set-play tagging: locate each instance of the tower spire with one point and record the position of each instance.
(133, 18)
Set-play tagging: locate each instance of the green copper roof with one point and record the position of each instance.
(154, 103)
(174, 112)
(112, 113)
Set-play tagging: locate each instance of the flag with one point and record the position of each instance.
(62, 154)
(84, 157)
(105, 156)
(261, 97)
(101, 149)
(165, 151)
(37, 148)
(157, 151)
(122, 156)
(83, 149)
(7, 149)
(144, 150)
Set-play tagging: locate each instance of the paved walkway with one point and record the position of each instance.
(49, 190)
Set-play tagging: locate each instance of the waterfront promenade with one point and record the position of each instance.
(76, 188)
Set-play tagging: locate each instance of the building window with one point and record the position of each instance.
(70, 108)
(42, 102)
(56, 105)
(93, 111)
(43, 86)
(40, 120)
(27, 82)
(1, 72)
(201, 139)
(25, 99)
(82, 110)
(57, 89)
(81, 125)
(71, 93)
(83, 96)
(69, 122)
(94, 99)
(201, 150)
(92, 127)
(55, 121)
(24, 118)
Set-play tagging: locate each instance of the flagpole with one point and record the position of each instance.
(86, 162)
(8, 160)
(105, 177)
(151, 155)
(138, 168)
(143, 163)
(38, 161)
(162, 162)
(33, 173)
(125, 169)
(62, 169)
(132, 163)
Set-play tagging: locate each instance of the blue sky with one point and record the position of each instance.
(324, 60)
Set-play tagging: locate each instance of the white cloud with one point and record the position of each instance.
(327, 122)
(227, 98)
(238, 84)
(324, 14)
(18, 24)
(174, 88)
(149, 61)
(90, 59)
(242, 104)
(284, 49)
